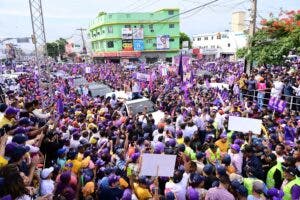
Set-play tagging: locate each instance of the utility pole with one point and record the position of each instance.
(252, 29)
(38, 30)
(83, 41)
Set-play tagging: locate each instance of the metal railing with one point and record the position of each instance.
(292, 102)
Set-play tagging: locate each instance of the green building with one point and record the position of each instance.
(148, 36)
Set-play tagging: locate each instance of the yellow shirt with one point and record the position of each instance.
(3, 161)
(76, 165)
(5, 121)
(222, 146)
(88, 189)
(179, 141)
(141, 193)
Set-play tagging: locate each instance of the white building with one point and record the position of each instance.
(220, 44)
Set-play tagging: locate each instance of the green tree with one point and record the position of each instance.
(52, 50)
(274, 40)
(56, 48)
(184, 37)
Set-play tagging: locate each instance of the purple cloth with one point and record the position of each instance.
(295, 192)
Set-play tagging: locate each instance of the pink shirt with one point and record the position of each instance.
(261, 86)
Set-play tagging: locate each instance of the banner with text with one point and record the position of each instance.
(127, 45)
(138, 45)
(126, 33)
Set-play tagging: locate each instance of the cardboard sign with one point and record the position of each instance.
(277, 104)
(142, 77)
(158, 165)
(243, 124)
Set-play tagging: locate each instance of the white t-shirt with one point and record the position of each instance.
(47, 187)
(179, 189)
(189, 131)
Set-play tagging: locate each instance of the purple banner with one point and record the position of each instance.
(277, 104)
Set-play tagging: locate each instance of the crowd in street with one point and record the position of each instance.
(59, 142)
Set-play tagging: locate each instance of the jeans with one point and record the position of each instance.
(260, 99)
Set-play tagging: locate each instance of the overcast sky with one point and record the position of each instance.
(62, 17)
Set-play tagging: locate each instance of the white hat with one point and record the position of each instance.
(46, 172)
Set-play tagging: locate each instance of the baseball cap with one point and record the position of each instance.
(20, 138)
(208, 169)
(113, 179)
(235, 147)
(18, 151)
(25, 121)
(46, 172)
(200, 155)
(11, 111)
(221, 170)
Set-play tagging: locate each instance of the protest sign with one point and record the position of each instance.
(244, 125)
(142, 77)
(220, 86)
(158, 165)
(277, 104)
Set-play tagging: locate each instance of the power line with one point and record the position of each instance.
(190, 10)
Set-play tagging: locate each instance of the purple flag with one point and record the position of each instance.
(180, 68)
(60, 106)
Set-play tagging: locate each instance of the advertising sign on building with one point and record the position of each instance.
(185, 44)
(138, 45)
(163, 42)
(138, 33)
(126, 33)
(127, 45)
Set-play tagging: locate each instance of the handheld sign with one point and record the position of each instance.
(158, 165)
(244, 125)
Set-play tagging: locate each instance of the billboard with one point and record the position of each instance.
(10, 51)
(163, 42)
(138, 45)
(127, 45)
(126, 33)
(138, 33)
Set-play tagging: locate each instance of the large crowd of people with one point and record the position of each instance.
(59, 142)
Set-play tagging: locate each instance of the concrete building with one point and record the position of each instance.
(220, 44)
(149, 36)
(223, 44)
(238, 21)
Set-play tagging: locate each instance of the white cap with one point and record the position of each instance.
(46, 172)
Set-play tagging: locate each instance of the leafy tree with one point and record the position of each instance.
(52, 50)
(184, 37)
(56, 48)
(274, 40)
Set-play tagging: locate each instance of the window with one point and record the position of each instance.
(134, 27)
(128, 15)
(228, 44)
(154, 44)
(110, 44)
(171, 12)
(149, 41)
(127, 26)
(151, 26)
(212, 37)
(110, 29)
(171, 25)
(172, 40)
(199, 38)
(99, 33)
(205, 38)
(142, 26)
(109, 16)
(103, 31)
(212, 46)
